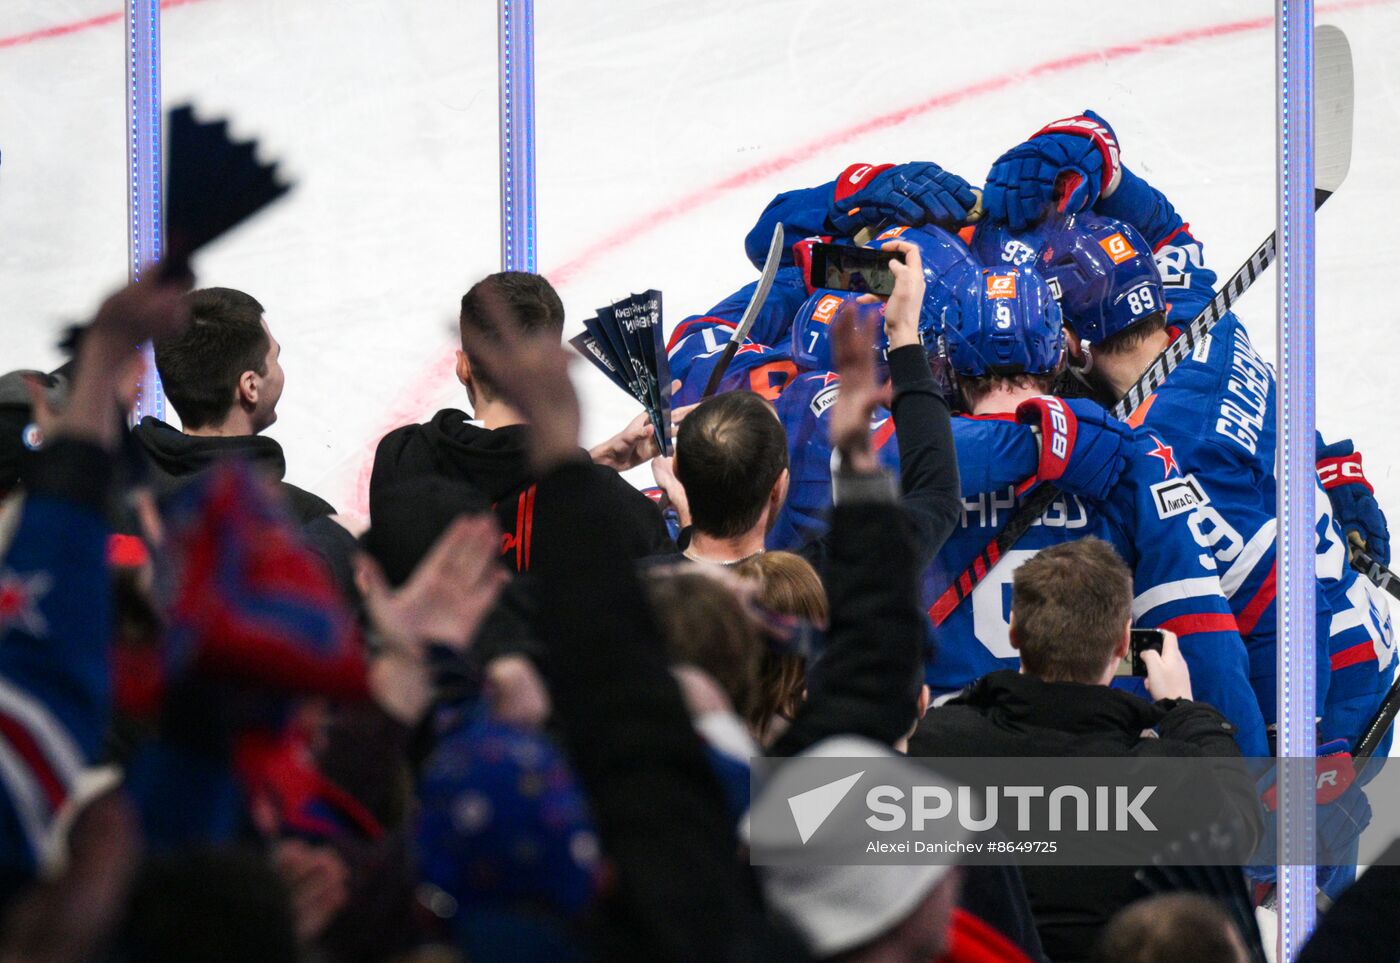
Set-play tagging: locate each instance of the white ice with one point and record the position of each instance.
(385, 113)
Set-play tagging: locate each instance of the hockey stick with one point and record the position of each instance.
(760, 294)
(1332, 137)
(1367, 565)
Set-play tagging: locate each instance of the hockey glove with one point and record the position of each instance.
(1083, 449)
(1069, 163)
(1353, 499)
(904, 194)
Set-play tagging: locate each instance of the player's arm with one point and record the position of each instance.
(865, 195)
(1177, 585)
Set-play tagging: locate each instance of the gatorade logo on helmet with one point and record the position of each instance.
(826, 308)
(1001, 285)
(892, 233)
(1117, 247)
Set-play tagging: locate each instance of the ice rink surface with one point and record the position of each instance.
(664, 127)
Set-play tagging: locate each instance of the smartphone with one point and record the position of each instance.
(1139, 641)
(865, 270)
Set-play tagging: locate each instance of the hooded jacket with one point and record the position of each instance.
(174, 458)
(1009, 714)
(497, 464)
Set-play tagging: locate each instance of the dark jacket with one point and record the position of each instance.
(497, 464)
(867, 679)
(174, 458)
(1008, 714)
(681, 893)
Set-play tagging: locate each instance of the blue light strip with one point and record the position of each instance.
(517, 87)
(1297, 695)
(144, 216)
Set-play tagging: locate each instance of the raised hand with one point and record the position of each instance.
(448, 594)
(532, 375)
(853, 349)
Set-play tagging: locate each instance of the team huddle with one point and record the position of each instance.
(1072, 281)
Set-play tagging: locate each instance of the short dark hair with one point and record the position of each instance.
(199, 368)
(974, 389)
(1171, 927)
(730, 452)
(1070, 604)
(529, 301)
(1131, 337)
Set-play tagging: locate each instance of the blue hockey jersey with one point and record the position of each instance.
(1175, 579)
(1217, 411)
(1148, 519)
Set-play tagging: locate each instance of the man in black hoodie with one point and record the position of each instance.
(223, 377)
(490, 451)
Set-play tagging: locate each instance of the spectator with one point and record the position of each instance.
(787, 586)
(1071, 610)
(55, 636)
(705, 625)
(1171, 927)
(223, 376)
(490, 449)
(732, 461)
(857, 914)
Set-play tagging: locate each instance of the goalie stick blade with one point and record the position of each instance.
(760, 295)
(1332, 106)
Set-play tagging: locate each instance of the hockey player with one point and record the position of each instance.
(1216, 414)
(1005, 352)
(995, 457)
(772, 360)
(1216, 410)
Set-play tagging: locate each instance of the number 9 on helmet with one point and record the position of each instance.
(1007, 323)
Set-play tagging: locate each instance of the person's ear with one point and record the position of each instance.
(464, 367)
(1011, 632)
(1075, 345)
(779, 493)
(1120, 651)
(925, 700)
(249, 384)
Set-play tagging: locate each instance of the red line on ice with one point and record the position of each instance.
(76, 26)
(411, 405)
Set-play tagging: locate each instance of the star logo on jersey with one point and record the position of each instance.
(19, 601)
(829, 378)
(1164, 452)
(749, 348)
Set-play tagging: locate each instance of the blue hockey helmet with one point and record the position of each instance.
(1009, 324)
(948, 270)
(996, 245)
(1103, 273)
